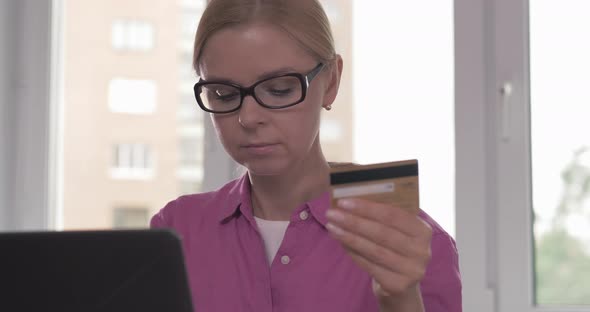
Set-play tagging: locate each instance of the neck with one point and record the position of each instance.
(276, 197)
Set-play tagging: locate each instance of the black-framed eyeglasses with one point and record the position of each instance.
(276, 92)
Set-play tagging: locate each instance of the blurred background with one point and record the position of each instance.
(134, 137)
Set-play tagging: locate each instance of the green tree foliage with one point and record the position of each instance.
(562, 261)
(563, 270)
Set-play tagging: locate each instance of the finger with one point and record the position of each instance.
(377, 254)
(378, 233)
(396, 217)
(390, 282)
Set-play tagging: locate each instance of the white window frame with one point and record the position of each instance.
(132, 35)
(134, 161)
(513, 159)
(123, 211)
(29, 54)
(511, 145)
(494, 214)
(474, 226)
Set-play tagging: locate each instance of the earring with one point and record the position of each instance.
(328, 107)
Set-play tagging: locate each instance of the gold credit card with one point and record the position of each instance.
(394, 183)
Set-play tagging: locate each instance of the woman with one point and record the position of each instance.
(268, 241)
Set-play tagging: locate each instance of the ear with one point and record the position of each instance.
(333, 81)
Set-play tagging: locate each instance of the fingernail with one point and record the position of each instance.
(346, 204)
(334, 229)
(334, 215)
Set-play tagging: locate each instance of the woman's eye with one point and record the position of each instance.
(226, 96)
(280, 92)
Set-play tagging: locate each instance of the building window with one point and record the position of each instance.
(132, 161)
(189, 187)
(134, 105)
(189, 111)
(191, 150)
(132, 96)
(129, 218)
(132, 35)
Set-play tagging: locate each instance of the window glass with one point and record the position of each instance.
(132, 96)
(127, 89)
(560, 107)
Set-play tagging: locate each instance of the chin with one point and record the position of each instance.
(265, 167)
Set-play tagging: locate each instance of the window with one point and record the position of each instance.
(403, 84)
(130, 218)
(189, 187)
(193, 175)
(132, 96)
(523, 176)
(132, 161)
(191, 150)
(188, 110)
(132, 35)
(560, 151)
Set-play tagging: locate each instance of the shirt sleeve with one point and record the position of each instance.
(160, 219)
(441, 286)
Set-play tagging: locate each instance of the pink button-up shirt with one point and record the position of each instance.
(228, 269)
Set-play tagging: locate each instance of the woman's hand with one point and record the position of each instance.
(391, 244)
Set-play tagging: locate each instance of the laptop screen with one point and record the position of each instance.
(130, 270)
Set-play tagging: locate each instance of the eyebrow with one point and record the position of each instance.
(269, 74)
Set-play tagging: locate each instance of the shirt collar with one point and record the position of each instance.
(319, 206)
(238, 200)
(239, 203)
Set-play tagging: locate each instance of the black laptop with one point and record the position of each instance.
(131, 270)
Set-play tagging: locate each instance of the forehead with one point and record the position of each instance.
(245, 53)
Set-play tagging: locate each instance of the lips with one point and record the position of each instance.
(256, 145)
(259, 149)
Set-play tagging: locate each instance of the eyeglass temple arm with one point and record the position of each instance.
(309, 77)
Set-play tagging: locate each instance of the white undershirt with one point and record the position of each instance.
(272, 234)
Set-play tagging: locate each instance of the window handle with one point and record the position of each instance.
(506, 93)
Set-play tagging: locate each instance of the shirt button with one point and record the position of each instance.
(303, 215)
(285, 259)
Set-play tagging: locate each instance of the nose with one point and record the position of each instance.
(251, 114)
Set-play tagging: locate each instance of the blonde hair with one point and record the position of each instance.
(304, 20)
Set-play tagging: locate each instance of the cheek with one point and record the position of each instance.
(315, 98)
(306, 124)
(223, 128)
(313, 109)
